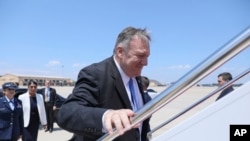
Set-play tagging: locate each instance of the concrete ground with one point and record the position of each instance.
(169, 110)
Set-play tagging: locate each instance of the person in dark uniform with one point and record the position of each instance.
(50, 98)
(223, 78)
(34, 112)
(11, 114)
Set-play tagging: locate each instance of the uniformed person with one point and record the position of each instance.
(11, 114)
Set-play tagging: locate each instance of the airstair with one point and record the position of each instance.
(213, 122)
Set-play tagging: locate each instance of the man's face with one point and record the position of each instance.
(221, 81)
(9, 93)
(47, 83)
(133, 59)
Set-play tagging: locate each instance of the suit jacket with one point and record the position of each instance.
(25, 98)
(225, 92)
(99, 87)
(11, 121)
(52, 97)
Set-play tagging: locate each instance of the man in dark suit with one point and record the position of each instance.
(50, 98)
(107, 94)
(223, 78)
(11, 114)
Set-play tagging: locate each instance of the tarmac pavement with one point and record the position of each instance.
(57, 135)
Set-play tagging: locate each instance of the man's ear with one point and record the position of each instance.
(119, 51)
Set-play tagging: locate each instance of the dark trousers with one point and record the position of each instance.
(50, 115)
(30, 133)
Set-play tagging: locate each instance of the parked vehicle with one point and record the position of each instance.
(18, 91)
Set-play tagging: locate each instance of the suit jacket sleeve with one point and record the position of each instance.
(81, 113)
(99, 87)
(41, 109)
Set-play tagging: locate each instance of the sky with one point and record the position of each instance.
(60, 37)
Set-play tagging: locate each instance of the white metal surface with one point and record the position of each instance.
(213, 123)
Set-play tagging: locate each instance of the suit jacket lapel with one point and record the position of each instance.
(7, 103)
(15, 103)
(123, 93)
(120, 86)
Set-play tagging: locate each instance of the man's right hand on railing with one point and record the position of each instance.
(119, 120)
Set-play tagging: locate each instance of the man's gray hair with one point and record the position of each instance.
(128, 34)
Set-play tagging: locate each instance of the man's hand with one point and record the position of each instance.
(19, 137)
(45, 126)
(54, 108)
(118, 119)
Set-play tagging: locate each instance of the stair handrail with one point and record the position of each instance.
(211, 63)
(198, 102)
